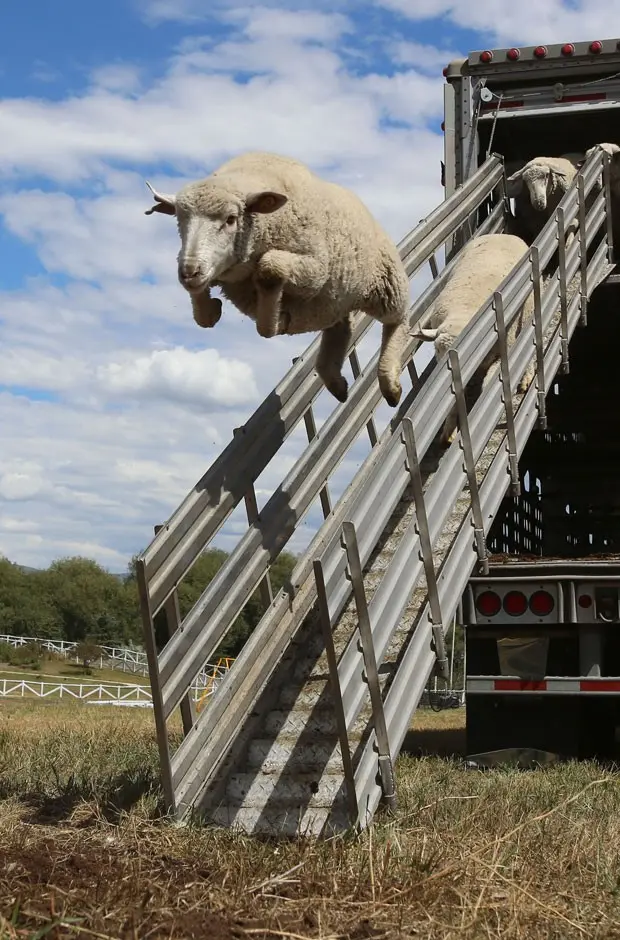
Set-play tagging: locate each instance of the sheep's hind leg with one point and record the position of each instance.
(393, 338)
(275, 269)
(330, 360)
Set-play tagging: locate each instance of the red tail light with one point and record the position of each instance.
(596, 47)
(568, 49)
(486, 56)
(488, 604)
(585, 601)
(515, 603)
(541, 603)
(445, 71)
(513, 54)
(540, 52)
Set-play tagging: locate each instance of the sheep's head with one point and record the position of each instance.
(214, 226)
(542, 181)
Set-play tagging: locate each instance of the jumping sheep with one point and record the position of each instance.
(479, 269)
(296, 254)
(546, 180)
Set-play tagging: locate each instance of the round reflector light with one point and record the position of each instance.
(486, 56)
(515, 603)
(488, 604)
(540, 52)
(568, 49)
(541, 603)
(585, 600)
(596, 46)
(513, 54)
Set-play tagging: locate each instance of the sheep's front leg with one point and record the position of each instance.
(389, 368)
(274, 270)
(207, 310)
(330, 360)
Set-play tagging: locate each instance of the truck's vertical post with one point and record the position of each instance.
(539, 339)
(608, 205)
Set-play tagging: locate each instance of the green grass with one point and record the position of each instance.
(525, 855)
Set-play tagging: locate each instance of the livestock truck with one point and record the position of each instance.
(542, 628)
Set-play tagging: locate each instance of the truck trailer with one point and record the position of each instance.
(510, 531)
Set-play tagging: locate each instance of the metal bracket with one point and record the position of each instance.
(426, 548)
(583, 290)
(515, 484)
(468, 456)
(434, 266)
(332, 660)
(561, 220)
(386, 767)
(539, 339)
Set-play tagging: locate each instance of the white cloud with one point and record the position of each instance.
(528, 22)
(196, 378)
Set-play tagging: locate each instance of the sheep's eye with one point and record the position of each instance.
(231, 220)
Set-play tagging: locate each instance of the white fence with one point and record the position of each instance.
(120, 658)
(95, 693)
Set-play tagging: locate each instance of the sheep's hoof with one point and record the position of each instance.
(391, 391)
(207, 310)
(339, 388)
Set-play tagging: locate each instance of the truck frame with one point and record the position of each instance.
(542, 645)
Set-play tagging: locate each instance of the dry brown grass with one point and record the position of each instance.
(469, 854)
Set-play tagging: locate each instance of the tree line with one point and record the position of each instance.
(77, 599)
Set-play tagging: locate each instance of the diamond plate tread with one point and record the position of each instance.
(281, 822)
(291, 789)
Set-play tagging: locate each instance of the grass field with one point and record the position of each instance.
(55, 670)
(469, 854)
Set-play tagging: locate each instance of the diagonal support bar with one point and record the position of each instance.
(502, 340)
(386, 767)
(332, 660)
(426, 548)
(468, 456)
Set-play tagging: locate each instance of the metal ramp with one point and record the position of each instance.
(302, 733)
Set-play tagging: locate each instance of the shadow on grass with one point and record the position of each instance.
(109, 800)
(435, 742)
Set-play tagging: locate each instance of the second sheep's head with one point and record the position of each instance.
(215, 227)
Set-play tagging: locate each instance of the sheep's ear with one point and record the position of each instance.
(514, 184)
(265, 202)
(163, 202)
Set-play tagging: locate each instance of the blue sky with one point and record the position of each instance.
(112, 401)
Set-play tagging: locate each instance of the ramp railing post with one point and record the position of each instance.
(498, 303)
(332, 661)
(386, 767)
(583, 259)
(468, 457)
(539, 339)
(608, 206)
(354, 362)
(426, 548)
(251, 509)
(172, 616)
(561, 222)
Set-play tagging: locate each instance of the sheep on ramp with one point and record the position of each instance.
(538, 188)
(480, 267)
(295, 253)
